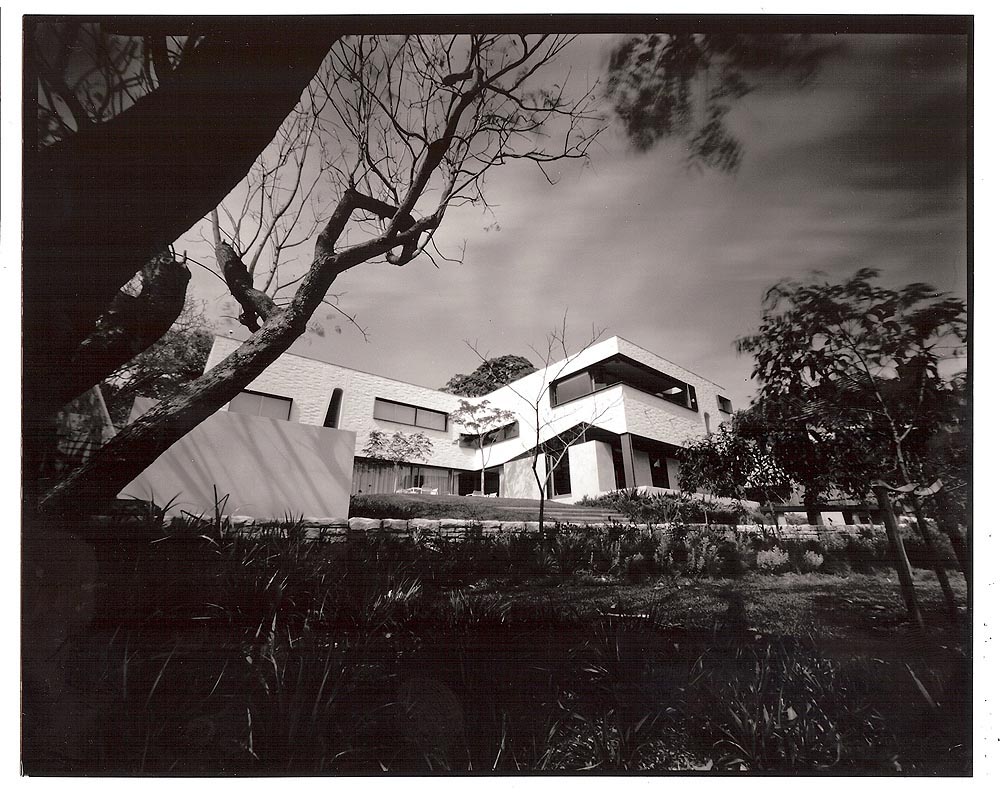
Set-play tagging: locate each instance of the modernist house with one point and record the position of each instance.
(625, 411)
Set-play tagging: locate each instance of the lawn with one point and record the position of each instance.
(832, 607)
(204, 652)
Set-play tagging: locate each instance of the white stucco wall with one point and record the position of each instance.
(268, 468)
(591, 470)
(673, 473)
(518, 480)
(643, 474)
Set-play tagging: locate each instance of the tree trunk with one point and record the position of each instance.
(937, 558)
(903, 569)
(96, 483)
(101, 203)
(949, 521)
(811, 501)
(133, 324)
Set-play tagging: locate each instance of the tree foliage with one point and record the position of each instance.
(684, 84)
(731, 464)
(850, 383)
(480, 420)
(493, 373)
(397, 447)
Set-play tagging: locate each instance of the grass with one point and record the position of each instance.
(209, 653)
(835, 607)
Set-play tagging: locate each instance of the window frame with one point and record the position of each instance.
(415, 409)
(686, 399)
(260, 394)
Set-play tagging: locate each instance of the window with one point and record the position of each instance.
(428, 419)
(623, 370)
(266, 406)
(559, 484)
(725, 405)
(692, 398)
(395, 412)
(508, 432)
(333, 411)
(571, 388)
(658, 471)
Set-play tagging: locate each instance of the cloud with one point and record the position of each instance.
(864, 168)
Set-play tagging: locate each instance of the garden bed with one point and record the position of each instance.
(211, 653)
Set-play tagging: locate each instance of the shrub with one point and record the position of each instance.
(772, 560)
(811, 561)
(649, 508)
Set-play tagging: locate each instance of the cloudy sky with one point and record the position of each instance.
(866, 167)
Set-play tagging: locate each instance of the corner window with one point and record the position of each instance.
(263, 405)
(395, 412)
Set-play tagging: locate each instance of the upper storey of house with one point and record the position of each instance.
(613, 385)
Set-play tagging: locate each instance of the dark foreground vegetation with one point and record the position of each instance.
(196, 650)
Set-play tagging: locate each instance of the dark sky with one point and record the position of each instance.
(863, 168)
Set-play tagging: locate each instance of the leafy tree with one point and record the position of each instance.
(397, 448)
(728, 463)
(683, 84)
(418, 121)
(850, 372)
(492, 374)
(480, 420)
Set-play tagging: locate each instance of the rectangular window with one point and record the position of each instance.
(571, 388)
(262, 404)
(559, 484)
(658, 476)
(394, 412)
(725, 405)
(428, 419)
(508, 432)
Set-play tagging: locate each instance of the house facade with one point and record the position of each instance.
(611, 416)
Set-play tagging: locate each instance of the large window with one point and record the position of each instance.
(559, 484)
(263, 404)
(571, 388)
(395, 412)
(622, 370)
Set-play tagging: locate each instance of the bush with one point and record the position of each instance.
(648, 508)
(811, 561)
(773, 560)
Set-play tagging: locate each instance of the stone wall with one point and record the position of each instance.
(457, 528)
